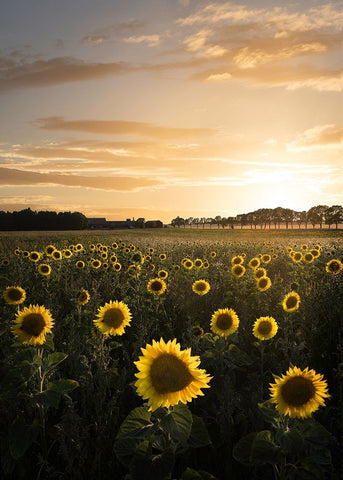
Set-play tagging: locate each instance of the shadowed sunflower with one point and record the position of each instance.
(201, 287)
(80, 264)
(224, 322)
(113, 318)
(83, 297)
(265, 328)
(299, 393)
(334, 266)
(254, 263)
(263, 284)
(259, 273)
(44, 269)
(14, 295)
(156, 286)
(238, 270)
(168, 375)
(291, 302)
(32, 324)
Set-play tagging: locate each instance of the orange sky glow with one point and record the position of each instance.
(161, 108)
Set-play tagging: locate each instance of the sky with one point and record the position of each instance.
(159, 108)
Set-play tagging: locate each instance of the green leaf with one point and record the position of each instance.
(292, 441)
(136, 427)
(242, 449)
(309, 470)
(268, 411)
(178, 423)
(21, 437)
(191, 474)
(257, 449)
(199, 436)
(49, 343)
(63, 386)
(55, 358)
(49, 398)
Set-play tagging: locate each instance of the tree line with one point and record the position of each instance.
(270, 218)
(28, 219)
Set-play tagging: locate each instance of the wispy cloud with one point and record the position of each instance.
(150, 40)
(318, 137)
(120, 127)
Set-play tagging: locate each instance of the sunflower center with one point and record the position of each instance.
(263, 282)
(334, 266)
(44, 269)
(156, 286)
(113, 317)
(265, 327)
(14, 294)
(169, 374)
(297, 391)
(291, 302)
(224, 321)
(201, 286)
(83, 296)
(33, 324)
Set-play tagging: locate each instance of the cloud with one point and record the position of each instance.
(318, 137)
(103, 34)
(150, 40)
(10, 177)
(120, 127)
(94, 39)
(55, 71)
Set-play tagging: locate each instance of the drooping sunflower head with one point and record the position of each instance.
(254, 263)
(291, 302)
(334, 266)
(156, 286)
(224, 322)
(163, 274)
(201, 287)
(259, 273)
(299, 393)
(83, 297)
(32, 324)
(44, 269)
(197, 331)
(238, 259)
(113, 317)
(238, 270)
(168, 375)
(265, 328)
(263, 284)
(14, 295)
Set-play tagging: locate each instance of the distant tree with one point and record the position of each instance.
(334, 215)
(316, 215)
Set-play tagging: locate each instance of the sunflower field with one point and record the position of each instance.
(184, 355)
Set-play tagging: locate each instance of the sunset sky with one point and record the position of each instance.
(159, 108)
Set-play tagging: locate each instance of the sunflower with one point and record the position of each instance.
(238, 270)
(117, 266)
(80, 264)
(315, 252)
(32, 324)
(56, 255)
(67, 253)
(34, 256)
(205, 264)
(304, 247)
(134, 270)
(162, 256)
(83, 297)
(201, 287)
(49, 249)
(113, 318)
(224, 322)
(238, 259)
(334, 266)
(44, 269)
(168, 375)
(263, 284)
(95, 264)
(114, 245)
(259, 273)
(14, 295)
(297, 257)
(265, 328)
(299, 392)
(156, 286)
(163, 274)
(254, 263)
(266, 258)
(291, 302)
(188, 264)
(197, 331)
(308, 257)
(198, 263)
(213, 254)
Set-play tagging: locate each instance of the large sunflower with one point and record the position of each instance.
(156, 286)
(291, 302)
(113, 318)
(334, 266)
(201, 287)
(299, 392)
(14, 295)
(265, 328)
(168, 375)
(224, 322)
(32, 324)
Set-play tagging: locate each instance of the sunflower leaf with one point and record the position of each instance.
(199, 435)
(21, 437)
(63, 386)
(55, 358)
(178, 423)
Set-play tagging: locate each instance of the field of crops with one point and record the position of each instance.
(171, 354)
